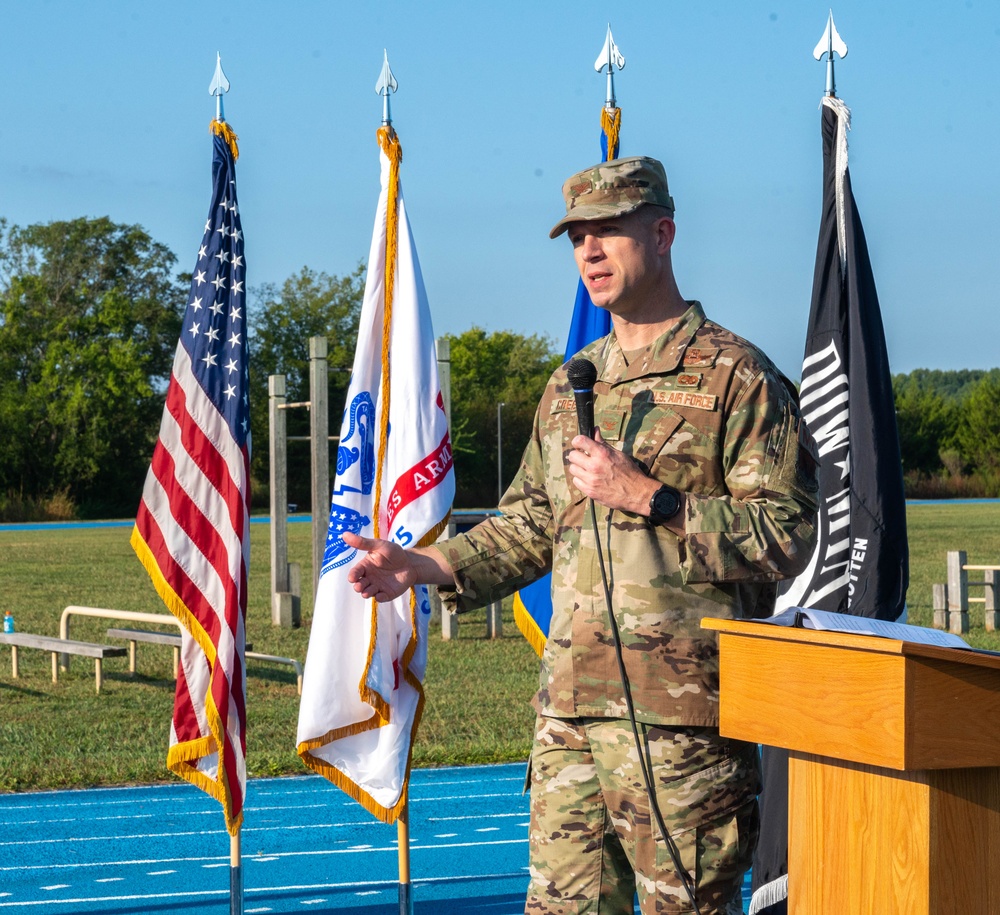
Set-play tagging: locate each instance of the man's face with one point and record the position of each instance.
(621, 260)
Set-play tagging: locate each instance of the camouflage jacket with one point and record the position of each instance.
(706, 412)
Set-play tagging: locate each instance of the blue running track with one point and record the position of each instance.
(307, 848)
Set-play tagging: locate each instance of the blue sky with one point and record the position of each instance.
(104, 109)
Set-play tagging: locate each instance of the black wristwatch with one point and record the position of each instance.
(664, 504)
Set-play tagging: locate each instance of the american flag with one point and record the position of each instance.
(192, 528)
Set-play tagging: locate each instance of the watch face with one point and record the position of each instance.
(665, 503)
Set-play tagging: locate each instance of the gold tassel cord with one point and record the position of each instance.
(611, 123)
(222, 129)
(388, 141)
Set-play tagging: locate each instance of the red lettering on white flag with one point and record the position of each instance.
(421, 478)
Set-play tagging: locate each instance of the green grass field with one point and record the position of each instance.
(477, 690)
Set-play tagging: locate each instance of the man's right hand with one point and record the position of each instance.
(387, 570)
(384, 572)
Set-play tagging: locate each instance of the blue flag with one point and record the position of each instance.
(533, 604)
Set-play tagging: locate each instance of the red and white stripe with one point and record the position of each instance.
(192, 533)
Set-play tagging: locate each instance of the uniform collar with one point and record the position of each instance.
(663, 355)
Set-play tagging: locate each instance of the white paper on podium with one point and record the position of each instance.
(807, 618)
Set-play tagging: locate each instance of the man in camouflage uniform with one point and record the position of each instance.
(704, 484)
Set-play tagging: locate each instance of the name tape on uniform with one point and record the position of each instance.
(686, 399)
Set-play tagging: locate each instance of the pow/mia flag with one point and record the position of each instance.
(860, 565)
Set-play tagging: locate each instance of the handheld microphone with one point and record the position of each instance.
(582, 374)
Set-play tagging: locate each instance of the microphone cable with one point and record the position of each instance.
(675, 857)
(582, 374)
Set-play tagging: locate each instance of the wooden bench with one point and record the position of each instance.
(57, 647)
(174, 640)
(154, 638)
(147, 635)
(276, 659)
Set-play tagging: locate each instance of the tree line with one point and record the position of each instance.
(949, 432)
(90, 313)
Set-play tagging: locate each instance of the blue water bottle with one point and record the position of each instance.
(8, 621)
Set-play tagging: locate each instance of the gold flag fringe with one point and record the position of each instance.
(525, 622)
(222, 129)
(611, 123)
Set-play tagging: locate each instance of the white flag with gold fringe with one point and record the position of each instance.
(362, 692)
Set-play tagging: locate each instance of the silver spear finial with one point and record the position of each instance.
(219, 86)
(610, 57)
(830, 43)
(385, 85)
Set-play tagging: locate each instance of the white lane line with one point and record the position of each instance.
(312, 901)
(246, 830)
(55, 886)
(486, 816)
(446, 835)
(198, 800)
(194, 832)
(159, 815)
(253, 911)
(201, 832)
(109, 880)
(414, 788)
(489, 829)
(271, 857)
(311, 888)
(91, 819)
(159, 873)
(92, 899)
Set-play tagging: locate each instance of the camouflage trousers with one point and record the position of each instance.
(593, 844)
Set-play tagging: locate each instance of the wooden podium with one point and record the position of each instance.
(893, 781)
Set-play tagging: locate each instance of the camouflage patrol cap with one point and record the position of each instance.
(613, 189)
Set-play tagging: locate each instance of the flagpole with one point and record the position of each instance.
(385, 86)
(219, 87)
(403, 837)
(770, 875)
(235, 875)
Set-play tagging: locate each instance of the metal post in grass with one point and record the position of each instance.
(940, 603)
(991, 614)
(319, 431)
(282, 600)
(442, 346)
(958, 592)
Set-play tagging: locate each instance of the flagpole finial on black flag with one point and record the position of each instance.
(386, 84)
(829, 44)
(610, 57)
(218, 87)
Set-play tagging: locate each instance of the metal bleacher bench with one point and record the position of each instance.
(174, 640)
(57, 647)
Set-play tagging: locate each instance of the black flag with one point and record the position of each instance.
(860, 565)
